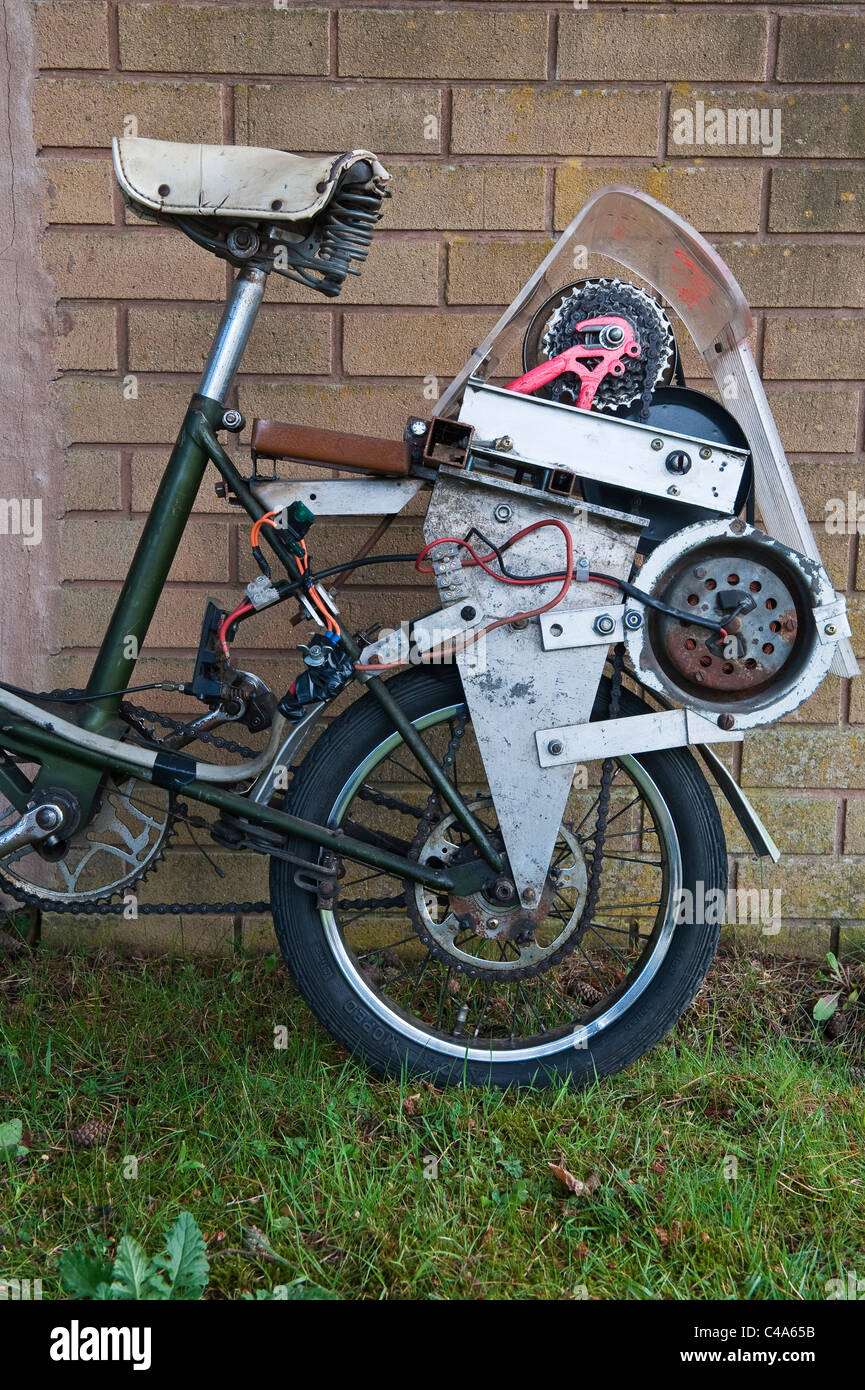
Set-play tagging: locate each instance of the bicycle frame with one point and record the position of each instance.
(76, 759)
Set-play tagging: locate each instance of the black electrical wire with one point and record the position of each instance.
(80, 699)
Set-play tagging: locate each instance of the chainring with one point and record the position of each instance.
(588, 299)
(127, 834)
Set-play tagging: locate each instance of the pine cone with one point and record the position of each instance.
(90, 1134)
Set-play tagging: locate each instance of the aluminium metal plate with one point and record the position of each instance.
(636, 733)
(340, 497)
(623, 453)
(517, 686)
(584, 627)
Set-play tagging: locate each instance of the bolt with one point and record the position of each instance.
(705, 453)
(604, 624)
(47, 817)
(530, 896)
(519, 624)
(468, 613)
(418, 427)
(830, 629)
(555, 747)
(657, 444)
(504, 443)
(726, 721)
(700, 573)
(673, 491)
(502, 513)
(493, 923)
(633, 620)
(737, 527)
(232, 420)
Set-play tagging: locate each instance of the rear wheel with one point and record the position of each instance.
(470, 990)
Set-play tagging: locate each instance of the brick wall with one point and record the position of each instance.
(496, 121)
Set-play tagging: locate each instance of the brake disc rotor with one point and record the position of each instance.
(553, 330)
(121, 844)
(520, 943)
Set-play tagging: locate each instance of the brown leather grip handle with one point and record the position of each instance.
(306, 444)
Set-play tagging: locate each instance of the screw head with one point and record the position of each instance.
(673, 491)
(726, 721)
(830, 629)
(678, 462)
(705, 453)
(737, 527)
(657, 444)
(418, 427)
(530, 896)
(633, 620)
(555, 747)
(468, 613)
(583, 562)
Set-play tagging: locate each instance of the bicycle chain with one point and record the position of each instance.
(105, 907)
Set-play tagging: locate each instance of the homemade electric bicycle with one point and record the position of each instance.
(502, 864)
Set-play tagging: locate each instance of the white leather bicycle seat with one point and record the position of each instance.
(230, 180)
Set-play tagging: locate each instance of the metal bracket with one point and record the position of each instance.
(832, 621)
(636, 733)
(588, 627)
(413, 641)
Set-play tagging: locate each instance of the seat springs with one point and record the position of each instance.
(342, 234)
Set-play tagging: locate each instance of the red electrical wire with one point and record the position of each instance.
(502, 578)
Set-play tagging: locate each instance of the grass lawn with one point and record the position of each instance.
(727, 1164)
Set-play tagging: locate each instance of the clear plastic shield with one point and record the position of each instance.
(663, 250)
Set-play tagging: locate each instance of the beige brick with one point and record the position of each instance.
(135, 264)
(490, 272)
(396, 272)
(817, 422)
(224, 38)
(86, 337)
(72, 34)
(178, 339)
(554, 120)
(93, 410)
(443, 43)
(86, 610)
(818, 347)
(92, 480)
(77, 190)
(626, 45)
(835, 554)
(319, 116)
(377, 409)
(89, 111)
(817, 200)
(462, 197)
(786, 756)
(857, 699)
(813, 124)
(854, 826)
(810, 886)
(103, 549)
(821, 48)
(824, 706)
(799, 274)
(817, 481)
(392, 344)
(798, 824)
(713, 199)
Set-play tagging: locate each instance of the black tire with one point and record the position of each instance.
(347, 1004)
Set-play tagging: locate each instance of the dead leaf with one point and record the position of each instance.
(409, 1105)
(575, 1185)
(662, 1235)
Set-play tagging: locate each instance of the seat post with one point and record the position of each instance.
(233, 332)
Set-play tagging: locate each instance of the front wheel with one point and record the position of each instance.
(470, 990)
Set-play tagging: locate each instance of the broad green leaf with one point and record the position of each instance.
(134, 1274)
(10, 1137)
(825, 1007)
(185, 1259)
(84, 1275)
